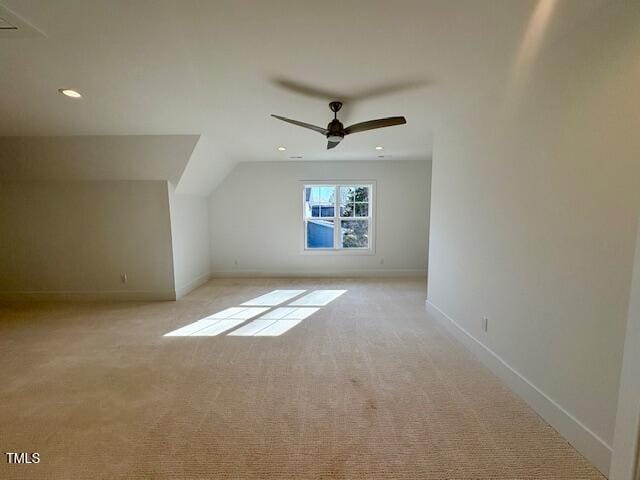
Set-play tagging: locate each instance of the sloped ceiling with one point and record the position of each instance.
(104, 157)
(217, 69)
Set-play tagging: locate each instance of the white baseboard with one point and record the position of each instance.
(596, 450)
(192, 285)
(319, 273)
(88, 296)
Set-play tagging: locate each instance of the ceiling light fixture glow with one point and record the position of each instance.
(282, 149)
(379, 147)
(70, 93)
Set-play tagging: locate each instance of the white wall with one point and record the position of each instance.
(256, 219)
(534, 209)
(73, 239)
(191, 244)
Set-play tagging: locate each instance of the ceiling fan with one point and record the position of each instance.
(335, 131)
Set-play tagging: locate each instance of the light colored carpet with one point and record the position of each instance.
(368, 387)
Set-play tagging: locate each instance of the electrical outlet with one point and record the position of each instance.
(123, 277)
(485, 324)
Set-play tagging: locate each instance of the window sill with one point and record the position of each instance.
(338, 251)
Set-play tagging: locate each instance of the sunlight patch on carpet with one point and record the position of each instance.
(271, 323)
(218, 322)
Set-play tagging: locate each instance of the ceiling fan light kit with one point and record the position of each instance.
(335, 131)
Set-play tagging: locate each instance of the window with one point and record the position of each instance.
(338, 217)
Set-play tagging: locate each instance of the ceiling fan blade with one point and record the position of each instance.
(371, 124)
(331, 145)
(321, 130)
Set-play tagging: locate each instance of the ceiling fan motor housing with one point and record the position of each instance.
(335, 130)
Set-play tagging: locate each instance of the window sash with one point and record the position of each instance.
(337, 217)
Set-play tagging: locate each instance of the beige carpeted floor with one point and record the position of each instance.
(368, 387)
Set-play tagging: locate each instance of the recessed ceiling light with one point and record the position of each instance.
(379, 147)
(70, 93)
(282, 149)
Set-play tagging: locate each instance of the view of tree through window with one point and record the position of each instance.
(345, 206)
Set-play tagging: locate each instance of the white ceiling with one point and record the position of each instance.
(211, 68)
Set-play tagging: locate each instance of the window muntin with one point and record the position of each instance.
(337, 217)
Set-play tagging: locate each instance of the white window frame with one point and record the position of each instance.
(337, 231)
